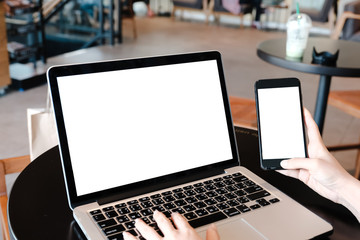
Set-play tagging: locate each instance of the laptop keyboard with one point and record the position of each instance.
(201, 203)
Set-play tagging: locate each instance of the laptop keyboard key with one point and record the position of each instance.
(167, 193)
(178, 210)
(262, 202)
(210, 201)
(180, 203)
(189, 208)
(122, 219)
(189, 216)
(146, 212)
(116, 237)
(159, 208)
(233, 203)
(130, 225)
(169, 198)
(220, 198)
(210, 187)
(123, 210)
(191, 200)
(240, 193)
(115, 229)
(242, 200)
(243, 208)
(132, 202)
(201, 197)
(199, 205)
(274, 200)
(255, 206)
(120, 205)
(222, 206)
(158, 201)
(200, 190)
(190, 193)
(208, 182)
(258, 195)
(253, 189)
(169, 206)
(95, 212)
(155, 196)
(231, 212)
(107, 223)
(111, 214)
(231, 188)
(108, 208)
(134, 215)
(201, 212)
(240, 179)
(99, 217)
(147, 204)
(207, 219)
(179, 195)
(188, 187)
(212, 209)
(135, 207)
(133, 232)
(144, 199)
(178, 190)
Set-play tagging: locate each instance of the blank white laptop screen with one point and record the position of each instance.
(131, 125)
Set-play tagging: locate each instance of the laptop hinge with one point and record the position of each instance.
(148, 187)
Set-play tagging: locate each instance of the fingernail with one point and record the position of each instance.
(284, 163)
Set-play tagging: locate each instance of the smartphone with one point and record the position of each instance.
(280, 120)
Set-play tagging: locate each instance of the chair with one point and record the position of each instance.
(348, 24)
(216, 8)
(243, 112)
(127, 13)
(349, 102)
(8, 166)
(317, 14)
(192, 5)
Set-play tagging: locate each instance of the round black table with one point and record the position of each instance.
(38, 207)
(348, 64)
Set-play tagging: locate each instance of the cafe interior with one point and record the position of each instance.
(35, 35)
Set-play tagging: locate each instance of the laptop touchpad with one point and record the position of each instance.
(235, 229)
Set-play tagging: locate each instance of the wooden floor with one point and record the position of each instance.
(157, 36)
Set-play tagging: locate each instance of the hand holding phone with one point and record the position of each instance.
(280, 121)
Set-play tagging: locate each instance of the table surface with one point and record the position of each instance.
(38, 207)
(348, 64)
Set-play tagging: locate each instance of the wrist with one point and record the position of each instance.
(349, 195)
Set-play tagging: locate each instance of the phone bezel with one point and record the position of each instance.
(273, 164)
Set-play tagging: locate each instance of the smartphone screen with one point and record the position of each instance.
(280, 121)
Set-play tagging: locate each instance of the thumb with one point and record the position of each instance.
(312, 128)
(299, 163)
(212, 233)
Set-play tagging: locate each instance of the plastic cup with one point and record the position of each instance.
(298, 27)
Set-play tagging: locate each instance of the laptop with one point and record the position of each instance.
(156, 133)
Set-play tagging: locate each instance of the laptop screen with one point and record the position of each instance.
(134, 124)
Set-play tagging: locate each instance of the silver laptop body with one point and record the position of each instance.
(138, 134)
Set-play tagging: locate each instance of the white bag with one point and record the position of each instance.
(42, 130)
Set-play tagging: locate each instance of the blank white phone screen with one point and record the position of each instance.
(281, 126)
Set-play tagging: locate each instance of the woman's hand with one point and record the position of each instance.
(321, 171)
(183, 230)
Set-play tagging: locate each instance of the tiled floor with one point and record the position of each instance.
(158, 36)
